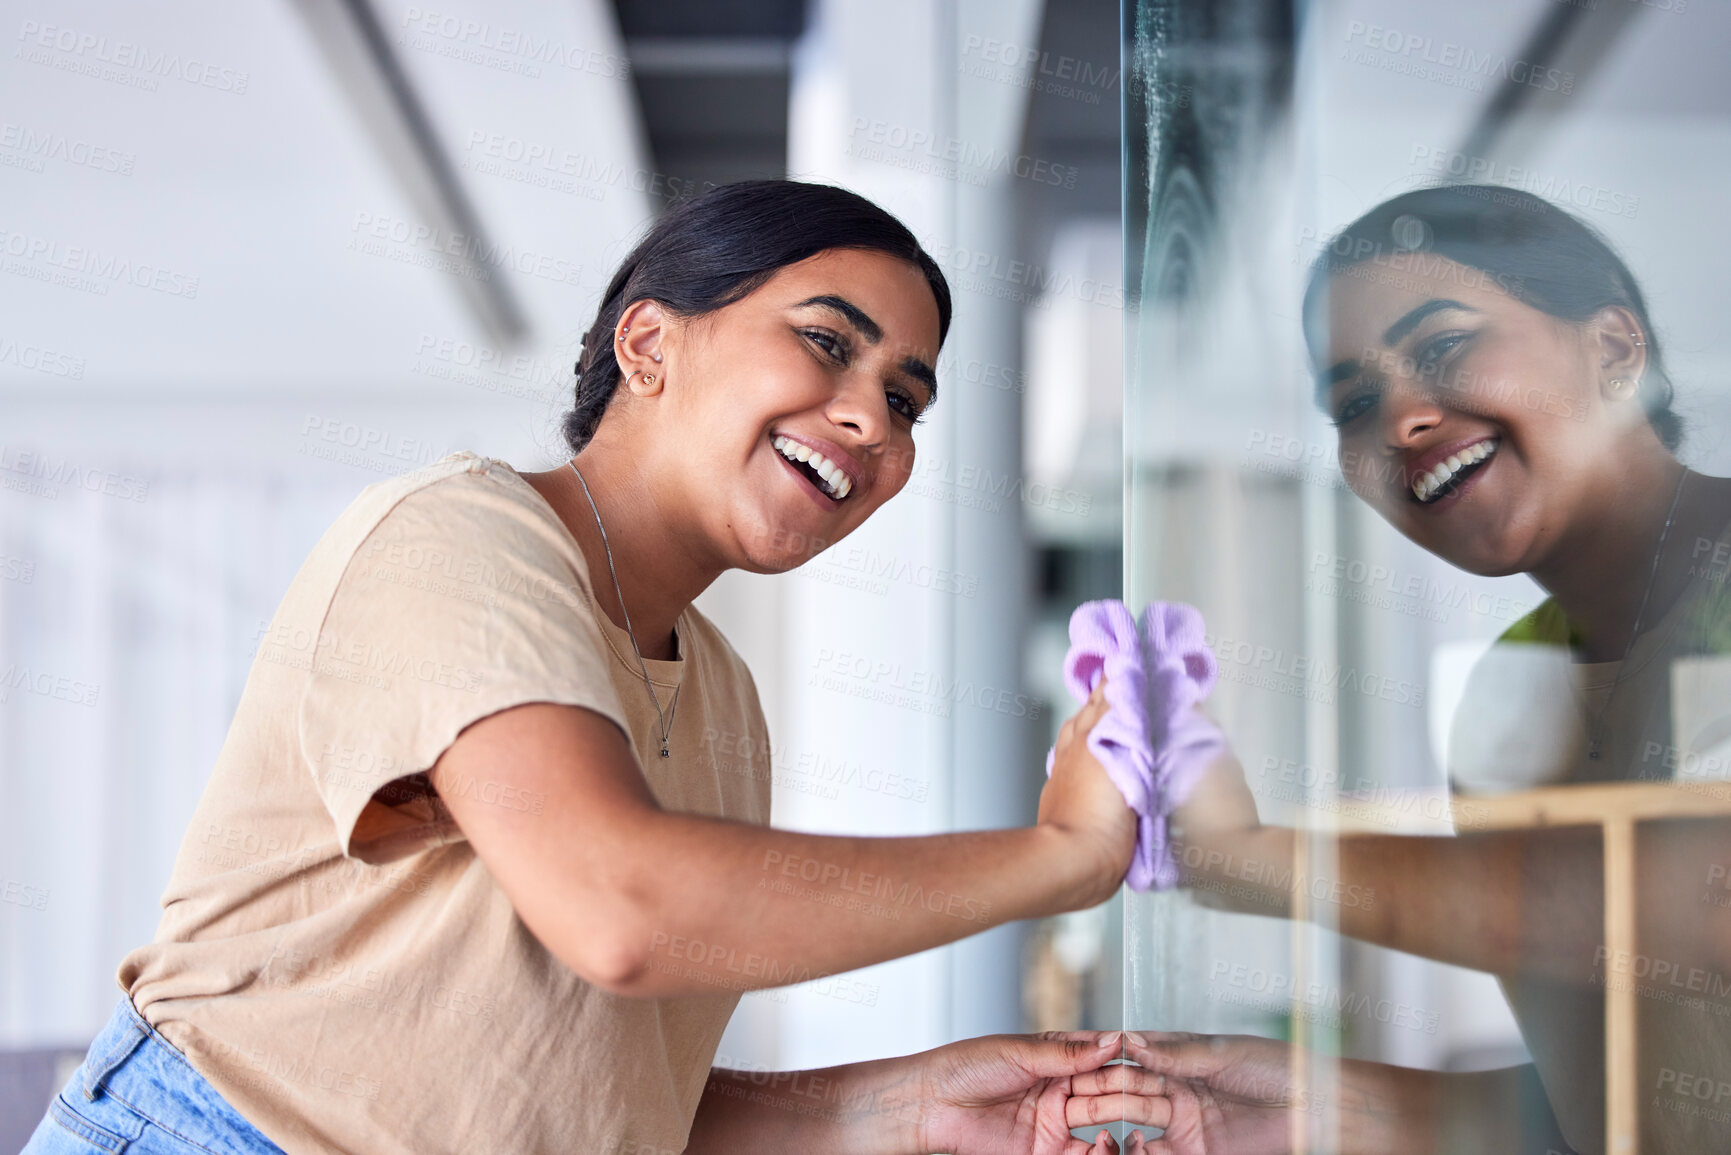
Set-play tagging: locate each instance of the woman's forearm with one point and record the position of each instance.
(644, 901)
(858, 1109)
(743, 907)
(1388, 891)
(1504, 902)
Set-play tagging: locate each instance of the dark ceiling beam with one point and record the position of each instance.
(712, 79)
(1570, 38)
(709, 56)
(384, 100)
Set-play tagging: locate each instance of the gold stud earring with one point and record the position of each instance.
(649, 378)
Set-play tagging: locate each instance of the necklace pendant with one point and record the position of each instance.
(664, 753)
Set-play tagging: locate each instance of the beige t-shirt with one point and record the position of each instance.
(374, 993)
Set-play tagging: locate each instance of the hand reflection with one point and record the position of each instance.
(1021, 1095)
(1238, 1095)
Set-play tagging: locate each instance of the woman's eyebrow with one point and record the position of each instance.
(1411, 320)
(922, 372)
(852, 313)
(1335, 373)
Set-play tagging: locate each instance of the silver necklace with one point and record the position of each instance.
(1596, 718)
(665, 723)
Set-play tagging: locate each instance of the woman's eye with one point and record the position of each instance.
(832, 345)
(1432, 352)
(905, 405)
(1354, 407)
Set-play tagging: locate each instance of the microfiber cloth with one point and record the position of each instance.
(1152, 741)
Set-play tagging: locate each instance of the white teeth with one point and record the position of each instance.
(1428, 484)
(835, 479)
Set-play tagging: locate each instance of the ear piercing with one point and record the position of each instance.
(1623, 388)
(621, 340)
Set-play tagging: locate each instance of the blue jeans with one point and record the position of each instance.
(136, 1093)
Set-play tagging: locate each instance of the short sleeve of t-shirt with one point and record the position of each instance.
(467, 598)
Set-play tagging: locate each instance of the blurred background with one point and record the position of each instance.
(259, 256)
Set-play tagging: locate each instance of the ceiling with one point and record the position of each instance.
(711, 78)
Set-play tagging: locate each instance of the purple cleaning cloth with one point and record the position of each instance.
(1153, 742)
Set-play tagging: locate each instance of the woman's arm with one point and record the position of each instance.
(644, 902)
(1527, 902)
(1506, 902)
(856, 1109)
(1237, 1093)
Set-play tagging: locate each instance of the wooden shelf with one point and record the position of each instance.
(1590, 805)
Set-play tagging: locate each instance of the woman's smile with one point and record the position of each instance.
(1444, 474)
(825, 470)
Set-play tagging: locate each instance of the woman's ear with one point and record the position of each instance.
(1622, 348)
(637, 342)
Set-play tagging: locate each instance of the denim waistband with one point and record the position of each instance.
(133, 1063)
(125, 1030)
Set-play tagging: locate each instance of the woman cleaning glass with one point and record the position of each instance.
(469, 874)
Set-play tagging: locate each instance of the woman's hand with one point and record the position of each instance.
(1238, 1095)
(1080, 802)
(1021, 1094)
(1226, 1094)
(1218, 823)
(1220, 804)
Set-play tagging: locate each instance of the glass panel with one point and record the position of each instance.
(1472, 644)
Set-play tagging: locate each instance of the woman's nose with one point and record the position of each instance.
(1408, 414)
(859, 407)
